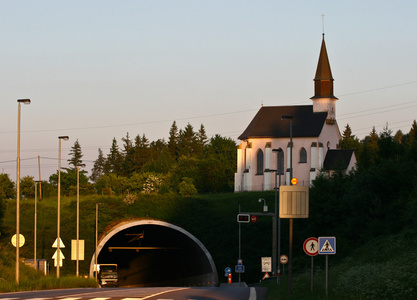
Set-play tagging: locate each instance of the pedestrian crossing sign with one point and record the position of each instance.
(327, 245)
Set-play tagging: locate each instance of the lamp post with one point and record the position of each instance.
(24, 101)
(274, 221)
(289, 118)
(58, 238)
(78, 219)
(278, 219)
(35, 225)
(95, 253)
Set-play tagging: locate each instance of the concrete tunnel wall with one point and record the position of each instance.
(186, 263)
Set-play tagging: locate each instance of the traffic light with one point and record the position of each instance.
(243, 218)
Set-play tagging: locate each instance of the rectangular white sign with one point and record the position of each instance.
(74, 250)
(266, 264)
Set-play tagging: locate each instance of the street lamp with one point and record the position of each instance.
(78, 218)
(265, 206)
(35, 225)
(95, 253)
(58, 238)
(24, 101)
(289, 118)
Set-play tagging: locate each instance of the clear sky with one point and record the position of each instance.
(96, 70)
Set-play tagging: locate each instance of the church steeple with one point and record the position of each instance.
(323, 99)
(323, 81)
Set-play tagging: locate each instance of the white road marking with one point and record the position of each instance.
(252, 294)
(173, 290)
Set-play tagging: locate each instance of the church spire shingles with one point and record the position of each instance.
(323, 81)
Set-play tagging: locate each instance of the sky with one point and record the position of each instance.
(97, 70)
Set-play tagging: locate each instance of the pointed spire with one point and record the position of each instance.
(323, 81)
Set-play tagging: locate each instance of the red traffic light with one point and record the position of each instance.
(243, 218)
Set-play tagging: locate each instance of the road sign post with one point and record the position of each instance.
(293, 203)
(311, 248)
(327, 246)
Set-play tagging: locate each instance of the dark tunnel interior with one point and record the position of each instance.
(152, 255)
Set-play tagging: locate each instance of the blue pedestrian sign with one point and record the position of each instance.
(327, 245)
(239, 269)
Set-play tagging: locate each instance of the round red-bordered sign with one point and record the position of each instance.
(253, 219)
(311, 246)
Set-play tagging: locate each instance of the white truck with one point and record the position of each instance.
(108, 275)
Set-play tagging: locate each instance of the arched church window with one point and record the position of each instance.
(259, 162)
(303, 155)
(280, 162)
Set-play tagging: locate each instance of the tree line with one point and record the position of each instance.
(378, 198)
(188, 163)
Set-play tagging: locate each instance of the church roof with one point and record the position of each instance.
(267, 122)
(337, 159)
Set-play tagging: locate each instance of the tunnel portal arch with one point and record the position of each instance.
(156, 253)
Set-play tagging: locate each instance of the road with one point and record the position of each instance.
(161, 293)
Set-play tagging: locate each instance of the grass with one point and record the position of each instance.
(30, 279)
(383, 268)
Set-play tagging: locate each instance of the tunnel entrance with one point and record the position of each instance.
(156, 253)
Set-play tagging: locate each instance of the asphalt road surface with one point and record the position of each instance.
(162, 293)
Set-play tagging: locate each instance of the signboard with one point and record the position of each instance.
(253, 219)
(74, 249)
(61, 243)
(55, 257)
(21, 240)
(243, 218)
(283, 259)
(293, 201)
(311, 246)
(239, 269)
(327, 245)
(266, 264)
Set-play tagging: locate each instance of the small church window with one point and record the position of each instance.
(280, 162)
(259, 162)
(303, 155)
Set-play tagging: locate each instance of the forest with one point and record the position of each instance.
(188, 163)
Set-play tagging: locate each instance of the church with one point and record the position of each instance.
(285, 142)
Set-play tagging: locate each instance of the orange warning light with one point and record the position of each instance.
(294, 181)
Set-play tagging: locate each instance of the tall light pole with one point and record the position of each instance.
(58, 226)
(274, 221)
(24, 101)
(95, 253)
(35, 225)
(291, 220)
(78, 219)
(289, 118)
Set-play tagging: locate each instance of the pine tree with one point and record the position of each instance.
(201, 137)
(128, 155)
(187, 141)
(76, 155)
(128, 145)
(412, 135)
(98, 168)
(114, 159)
(173, 140)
